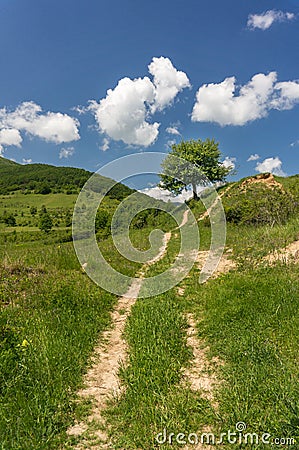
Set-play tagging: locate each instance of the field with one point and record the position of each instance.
(200, 358)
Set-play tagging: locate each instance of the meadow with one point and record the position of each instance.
(53, 315)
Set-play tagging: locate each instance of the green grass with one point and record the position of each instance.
(251, 244)
(250, 320)
(51, 318)
(154, 398)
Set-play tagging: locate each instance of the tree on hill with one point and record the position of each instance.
(204, 157)
(45, 223)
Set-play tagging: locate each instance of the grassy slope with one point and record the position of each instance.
(248, 318)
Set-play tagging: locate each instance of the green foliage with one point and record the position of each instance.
(43, 179)
(44, 189)
(9, 220)
(258, 204)
(68, 219)
(45, 223)
(33, 210)
(203, 155)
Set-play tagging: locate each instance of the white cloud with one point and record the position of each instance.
(229, 162)
(220, 104)
(295, 143)
(289, 95)
(66, 152)
(28, 117)
(9, 136)
(168, 82)
(125, 113)
(170, 143)
(105, 145)
(253, 157)
(266, 19)
(272, 165)
(165, 195)
(27, 161)
(173, 130)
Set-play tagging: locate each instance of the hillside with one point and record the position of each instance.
(198, 356)
(44, 178)
(261, 199)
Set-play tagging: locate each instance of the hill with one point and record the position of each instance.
(261, 199)
(44, 178)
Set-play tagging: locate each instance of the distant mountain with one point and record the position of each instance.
(44, 178)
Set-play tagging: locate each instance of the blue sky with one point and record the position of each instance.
(175, 69)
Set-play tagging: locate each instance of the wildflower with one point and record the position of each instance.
(25, 343)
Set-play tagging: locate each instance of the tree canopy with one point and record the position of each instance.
(193, 162)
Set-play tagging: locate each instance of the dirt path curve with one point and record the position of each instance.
(101, 381)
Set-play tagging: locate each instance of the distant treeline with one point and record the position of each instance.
(46, 179)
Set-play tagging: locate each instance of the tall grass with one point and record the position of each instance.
(51, 318)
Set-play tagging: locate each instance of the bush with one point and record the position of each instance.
(45, 223)
(258, 204)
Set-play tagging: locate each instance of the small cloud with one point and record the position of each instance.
(66, 152)
(229, 162)
(165, 195)
(9, 136)
(105, 145)
(170, 143)
(173, 130)
(27, 161)
(295, 143)
(272, 165)
(80, 109)
(253, 157)
(264, 20)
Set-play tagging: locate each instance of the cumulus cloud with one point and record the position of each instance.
(29, 118)
(125, 113)
(173, 130)
(9, 136)
(229, 162)
(295, 143)
(253, 157)
(168, 82)
(27, 161)
(288, 95)
(264, 20)
(66, 152)
(273, 165)
(227, 104)
(165, 195)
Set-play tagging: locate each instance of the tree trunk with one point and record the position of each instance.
(194, 189)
